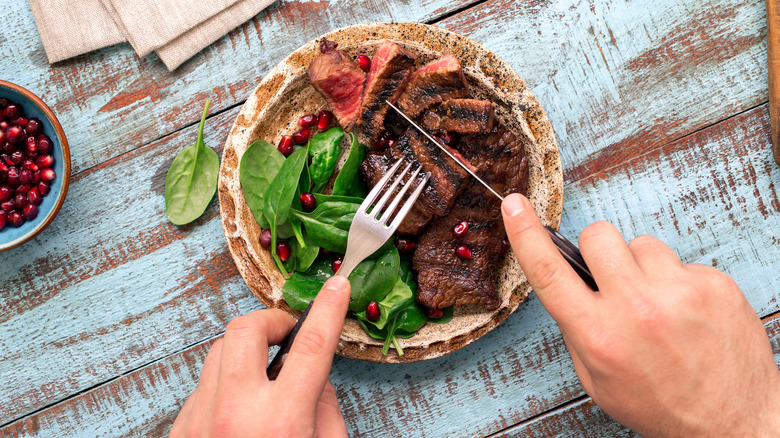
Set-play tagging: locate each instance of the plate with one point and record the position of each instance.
(285, 94)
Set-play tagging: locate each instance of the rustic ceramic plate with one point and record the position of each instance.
(284, 95)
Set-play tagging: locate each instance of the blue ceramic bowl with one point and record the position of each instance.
(33, 106)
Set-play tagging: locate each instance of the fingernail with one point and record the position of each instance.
(337, 282)
(513, 205)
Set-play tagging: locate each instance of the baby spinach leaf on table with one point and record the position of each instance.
(191, 180)
(301, 288)
(279, 197)
(348, 180)
(324, 150)
(328, 225)
(372, 279)
(259, 165)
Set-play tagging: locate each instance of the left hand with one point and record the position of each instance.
(234, 397)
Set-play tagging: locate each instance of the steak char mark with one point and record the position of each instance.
(444, 279)
(340, 80)
(464, 116)
(435, 82)
(390, 71)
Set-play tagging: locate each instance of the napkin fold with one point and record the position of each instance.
(175, 29)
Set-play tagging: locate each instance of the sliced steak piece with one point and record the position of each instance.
(390, 70)
(446, 182)
(433, 83)
(444, 279)
(464, 116)
(340, 80)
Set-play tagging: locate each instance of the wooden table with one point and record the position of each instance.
(660, 109)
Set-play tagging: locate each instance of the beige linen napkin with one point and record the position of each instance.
(65, 32)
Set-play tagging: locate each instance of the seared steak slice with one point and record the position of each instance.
(445, 184)
(433, 83)
(464, 116)
(444, 279)
(340, 80)
(390, 71)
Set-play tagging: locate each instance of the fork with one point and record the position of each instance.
(371, 227)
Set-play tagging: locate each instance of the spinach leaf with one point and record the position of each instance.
(348, 181)
(372, 279)
(399, 297)
(445, 318)
(328, 224)
(279, 197)
(403, 325)
(300, 289)
(324, 150)
(407, 274)
(321, 199)
(410, 320)
(191, 180)
(304, 254)
(259, 165)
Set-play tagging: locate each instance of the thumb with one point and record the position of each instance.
(561, 291)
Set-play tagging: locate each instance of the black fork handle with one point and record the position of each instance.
(572, 255)
(276, 364)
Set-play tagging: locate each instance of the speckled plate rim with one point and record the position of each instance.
(63, 143)
(545, 181)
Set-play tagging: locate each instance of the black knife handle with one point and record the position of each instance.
(572, 255)
(276, 364)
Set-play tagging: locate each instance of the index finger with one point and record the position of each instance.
(565, 296)
(306, 369)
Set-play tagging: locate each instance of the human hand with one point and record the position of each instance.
(665, 348)
(234, 397)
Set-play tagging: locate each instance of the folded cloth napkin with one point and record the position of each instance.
(176, 37)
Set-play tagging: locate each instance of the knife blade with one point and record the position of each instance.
(568, 250)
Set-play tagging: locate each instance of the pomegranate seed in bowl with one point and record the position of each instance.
(307, 121)
(47, 174)
(324, 120)
(15, 219)
(34, 126)
(45, 145)
(14, 134)
(30, 212)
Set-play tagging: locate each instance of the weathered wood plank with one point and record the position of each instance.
(620, 78)
(110, 102)
(516, 372)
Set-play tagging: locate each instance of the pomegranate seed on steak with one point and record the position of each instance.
(405, 244)
(434, 313)
(372, 311)
(460, 229)
(463, 251)
(364, 62)
(384, 141)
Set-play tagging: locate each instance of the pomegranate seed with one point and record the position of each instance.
(283, 250)
(5, 193)
(460, 229)
(44, 161)
(372, 311)
(20, 201)
(26, 176)
(34, 196)
(301, 136)
(308, 201)
(265, 239)
(4, 125)
(14, 134)
(285, 145)
(17, 157)
(30, 212)
(3, 169)
(447, 138)
(13, 176)
(22, 189)
(336, 263)
(504, 247)
(15, 219)
(29, 165)
(463, 251)
(45, 145)
(324, 252)
(434, 313)
(308, 121)
(19, 121)
(383, 141)
(2, 138)
(47, 174)
(44, 188)
(364, 62)
(7, 159)
(324, 120)
(9, 148)
(7, 205)
(4, 102)
(3, 219)
(32, 145)
(404, 244)
(12, 111)
(34, 126)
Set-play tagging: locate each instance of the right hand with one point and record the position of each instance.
(665, 348)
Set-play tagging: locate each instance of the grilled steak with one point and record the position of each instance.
(464, 116)
(444, 279)
(340, 80)
(433, 83)
(445, 184)
(390, 71)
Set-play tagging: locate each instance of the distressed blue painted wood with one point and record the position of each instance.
(112, 289)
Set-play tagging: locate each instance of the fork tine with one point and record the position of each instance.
(409, 203)
(389, 192)
(378, 187)
(389, 212)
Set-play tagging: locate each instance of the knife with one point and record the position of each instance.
(568, 250)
